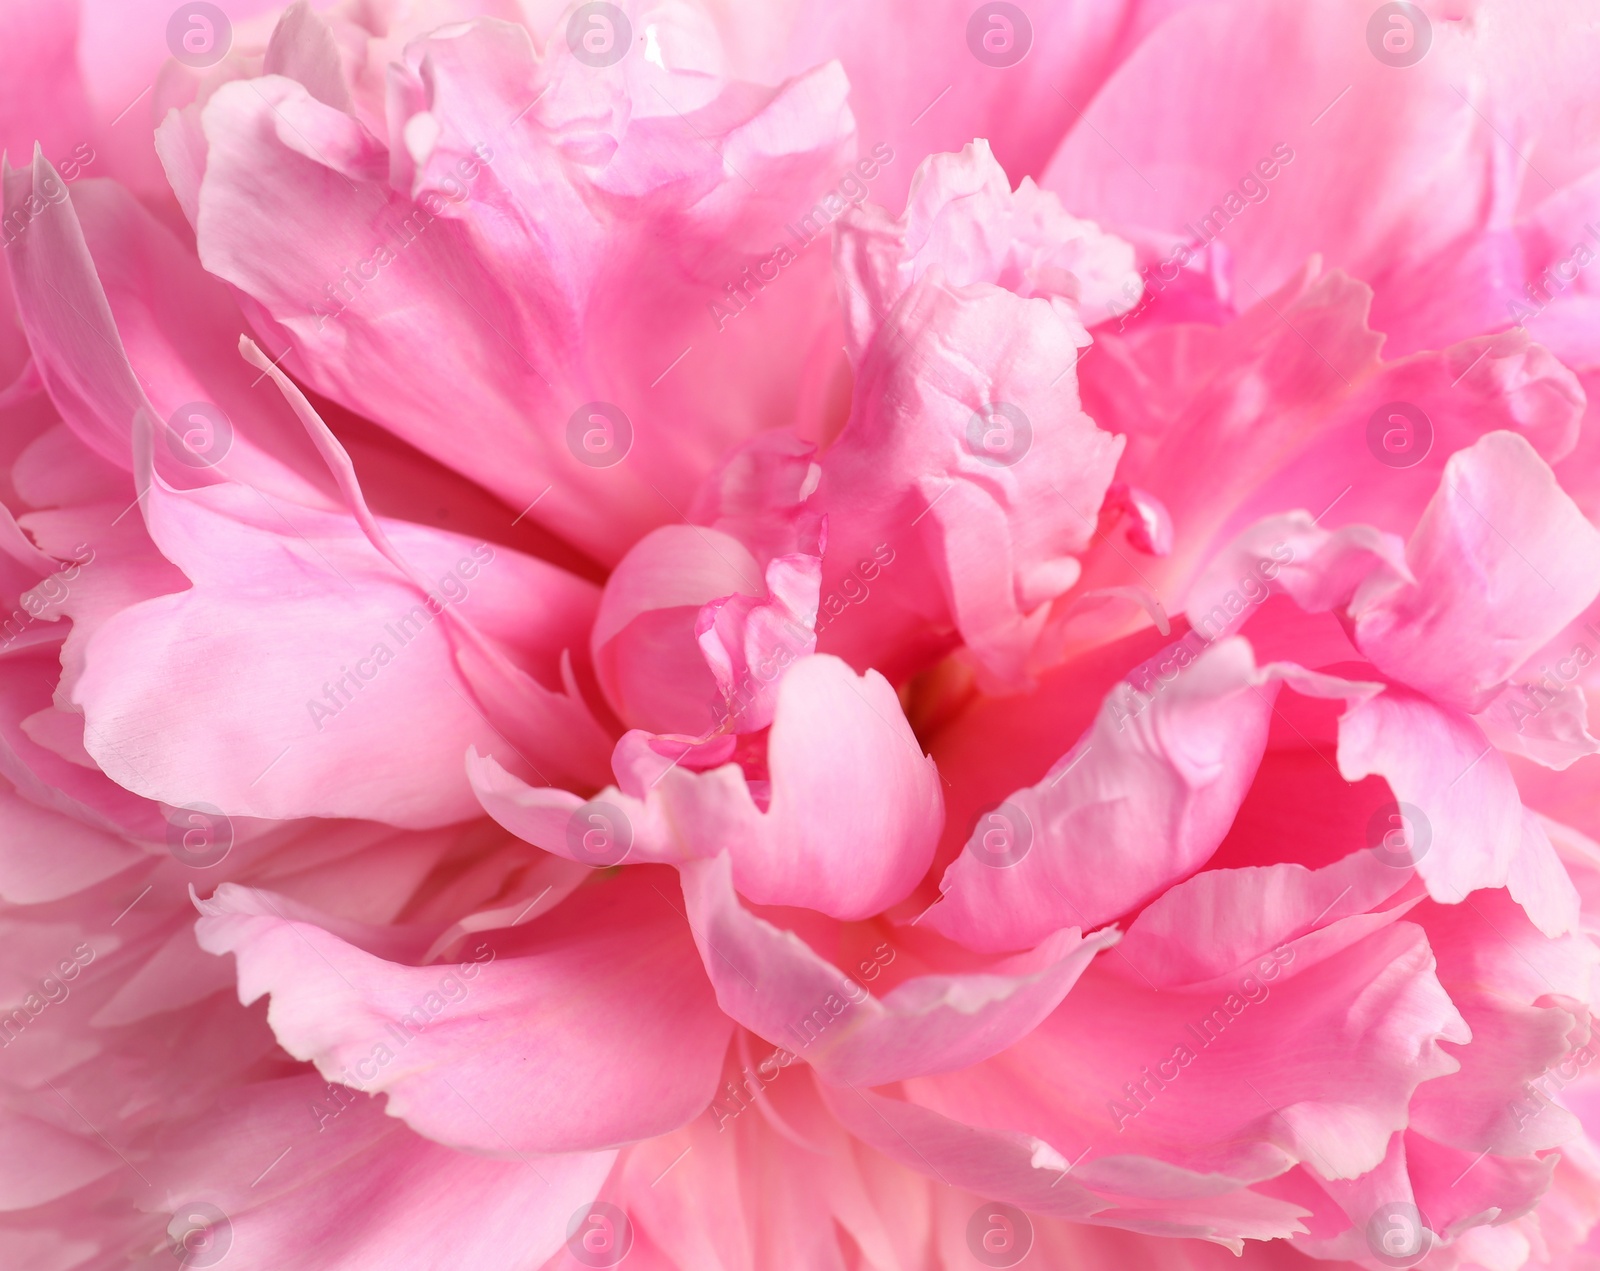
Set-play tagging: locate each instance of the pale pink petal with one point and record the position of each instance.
(637, 1052)
(963, 219)
(45, 778)
(351, 1190)
(121, 319)
(1548, 726)
(537, 261)
(330, 649)
(774, 984)
(1304, 422)
(851, 815)
(1221, 920)
(1403, 157)
(1470, 833)
(1166, 767)
(1503, 560)
(1221, 1078)
(1522, 995)
(965, 482)
(78, 855)
(762, 496)
(259, 740)
(919, 86)
(175, 975)
(646, 641)
(44, 1161)
(748, 641)
(1291, 555)
(1144, 1195)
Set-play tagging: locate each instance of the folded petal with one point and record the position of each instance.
(528, 198)
(1221, 920)
(774, 984)
(573, 1035)
(852, 806)
(1457, 817)
(970, 468)
(748, 641)
(1139, 1194)
(1503, 560)
(963, 219)
(1314, 1061)
(351, 1190)
(1166, 767)
(121, 319)
(78, 856)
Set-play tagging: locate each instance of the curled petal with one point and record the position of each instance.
(465, 1053)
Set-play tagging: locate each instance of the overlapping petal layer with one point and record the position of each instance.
(900, 637)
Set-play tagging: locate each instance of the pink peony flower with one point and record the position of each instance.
(837, 636)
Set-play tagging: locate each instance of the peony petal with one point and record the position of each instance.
(602, 1001)
(344, 607)
(1503, 561)
(945, 530)
(78, 857)
(1165, 768)
(850, 827)
(351, 1190)
(1553, 732)
(537, 261)
(43, 1161)
(1470, 833)
(1221, 920)
(1314, 1063)
(1402, 158)
(773, 984)
(963, 219)
(1144, 1196)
